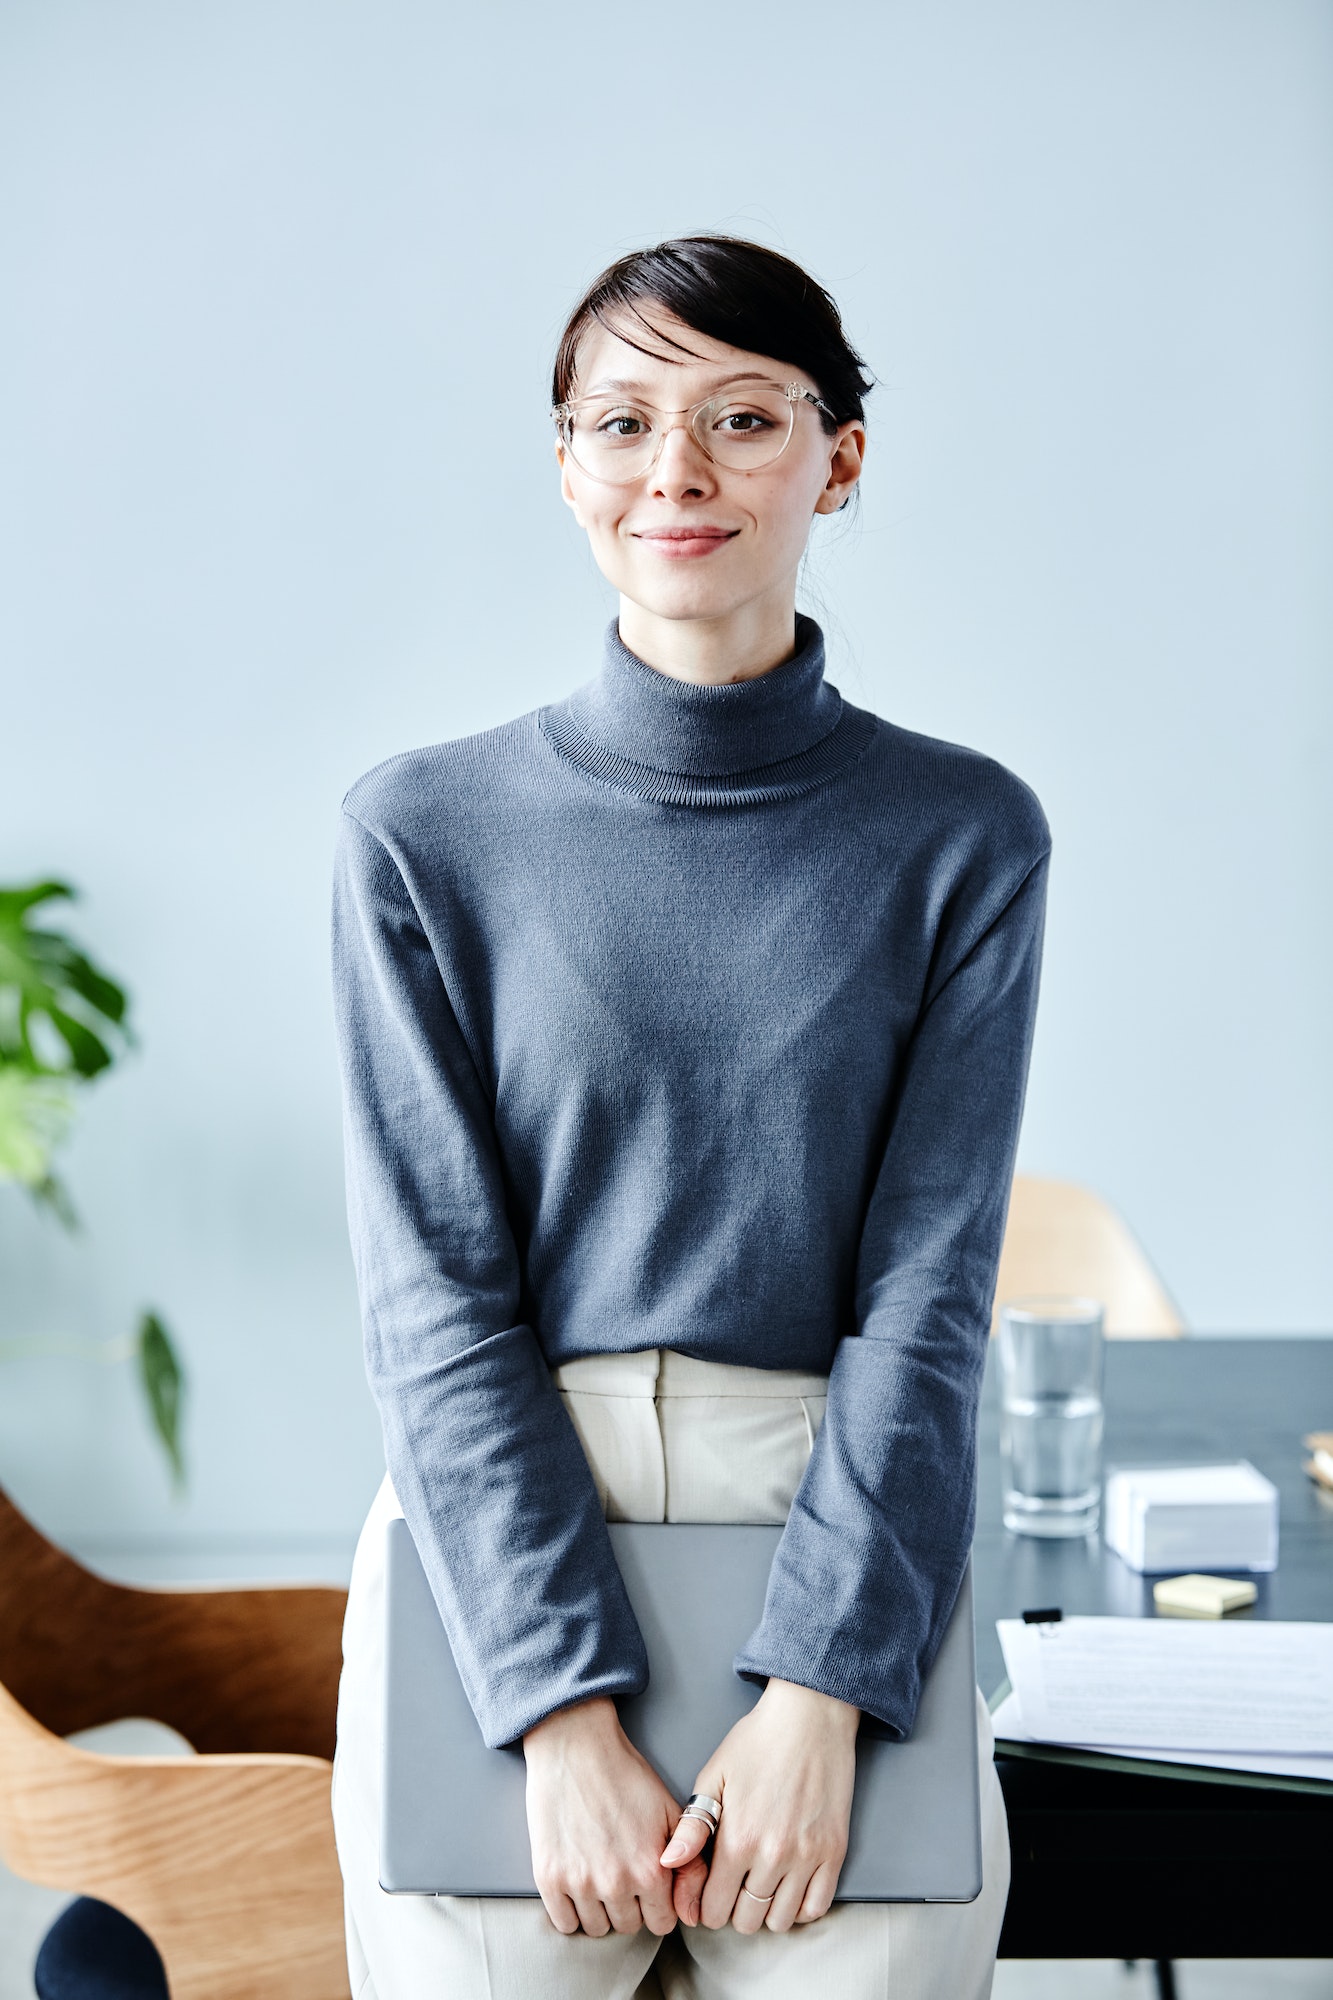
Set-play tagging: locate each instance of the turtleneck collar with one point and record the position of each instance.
(683, 744)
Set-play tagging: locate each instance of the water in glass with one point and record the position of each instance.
(1051, 1415)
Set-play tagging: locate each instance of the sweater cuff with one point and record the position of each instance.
(507, 1723)
(888, 1691)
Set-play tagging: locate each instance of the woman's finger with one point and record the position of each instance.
(791, 1893)
(656, 1903)
(560, 1909)
(752, 1906)
(625, 1914)
(686, 1843)
(592, 1917)
(726, 1872)
(688, 1889)
(818, 1897)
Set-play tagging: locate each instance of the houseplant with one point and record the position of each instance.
(63, 1023)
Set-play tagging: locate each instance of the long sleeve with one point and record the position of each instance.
(689, 1018)
(871, 1559)
(483, 1457)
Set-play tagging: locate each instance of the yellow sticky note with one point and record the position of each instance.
(1201, 1596)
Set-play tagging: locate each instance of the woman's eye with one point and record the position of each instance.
(743, 423)
(616, 425)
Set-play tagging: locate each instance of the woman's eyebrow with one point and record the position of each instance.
(599, 388)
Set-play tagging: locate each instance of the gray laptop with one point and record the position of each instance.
(454, 1816)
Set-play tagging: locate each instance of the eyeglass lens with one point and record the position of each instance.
(616, 440)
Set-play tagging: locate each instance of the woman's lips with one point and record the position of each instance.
(678, 544)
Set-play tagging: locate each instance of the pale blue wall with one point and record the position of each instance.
(276, 501)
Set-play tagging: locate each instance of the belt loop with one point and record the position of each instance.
(809, 1427)
(658, 1385)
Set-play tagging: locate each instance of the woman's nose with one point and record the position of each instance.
(682, 465)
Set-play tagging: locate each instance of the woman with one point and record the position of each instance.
(685, 1025)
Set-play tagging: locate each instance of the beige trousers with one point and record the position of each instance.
(668, 1439)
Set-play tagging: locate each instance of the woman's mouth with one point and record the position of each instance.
(678, 544)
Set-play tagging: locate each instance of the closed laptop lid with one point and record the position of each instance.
(454, 1819)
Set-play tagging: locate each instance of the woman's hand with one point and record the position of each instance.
(598, 1817)
(784, 1776)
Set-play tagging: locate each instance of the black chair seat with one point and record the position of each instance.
(93, 1952)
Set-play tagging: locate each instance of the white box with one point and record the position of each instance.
(1192, 1517)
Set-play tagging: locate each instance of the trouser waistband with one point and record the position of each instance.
(663, 1371)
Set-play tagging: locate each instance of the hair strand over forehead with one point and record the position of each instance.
(733, 291)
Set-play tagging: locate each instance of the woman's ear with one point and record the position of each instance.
(566, 490)
(845, 465)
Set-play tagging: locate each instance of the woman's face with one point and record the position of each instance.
(691, 539)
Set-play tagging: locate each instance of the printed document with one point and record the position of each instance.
(1174, 1684)
(1007, 1722)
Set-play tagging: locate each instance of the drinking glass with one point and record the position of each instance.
(1051, 1415)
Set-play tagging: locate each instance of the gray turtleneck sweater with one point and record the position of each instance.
(696, 1018)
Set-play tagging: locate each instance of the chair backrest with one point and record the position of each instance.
(228, 1863)
(181, 1845)
(251, 1669)
(1064, 1239)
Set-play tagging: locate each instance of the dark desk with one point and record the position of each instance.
(1107, 1865)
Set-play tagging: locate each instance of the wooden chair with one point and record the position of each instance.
(225, 1859)
(1064, 1239)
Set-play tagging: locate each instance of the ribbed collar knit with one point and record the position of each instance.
(681, 744)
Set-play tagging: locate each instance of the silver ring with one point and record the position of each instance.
(763, 1900)
(697, 1812)
(713, 1807)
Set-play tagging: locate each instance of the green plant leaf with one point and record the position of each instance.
(101, 993)
(15, 902)
(34, 1115)
(163, 1382)
(51, 1193)
(88, 1052)
(48, 984)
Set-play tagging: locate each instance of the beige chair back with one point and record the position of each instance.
(1064, 1239)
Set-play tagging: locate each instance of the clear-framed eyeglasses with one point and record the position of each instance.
(617, 439)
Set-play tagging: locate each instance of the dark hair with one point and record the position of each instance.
(733, 291)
